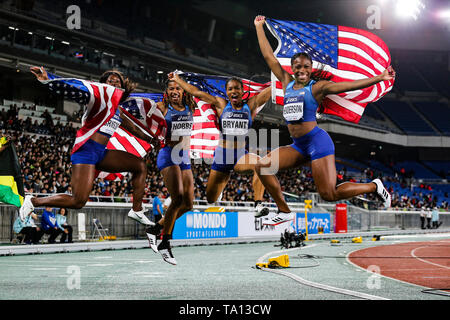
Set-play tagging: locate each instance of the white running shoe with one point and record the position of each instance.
(261, 211)
(152, 233)
(26, 208)
(279, 218)
(383, 193)
(166, 252)
(140, 217)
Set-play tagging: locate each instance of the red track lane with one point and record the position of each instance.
(423, 263)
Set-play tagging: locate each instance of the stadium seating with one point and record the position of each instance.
(408, 78)
(440, 167)
(426, 194)
(419, 171)
(438, 75)
(372, 112)
(437, 113)
(405, 117)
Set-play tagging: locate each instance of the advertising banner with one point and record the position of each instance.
(315, 220)
(250, 226)
(202, 225)
(209, 225)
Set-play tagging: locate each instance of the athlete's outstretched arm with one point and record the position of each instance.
(267, 53)
(323, 88)
(128, 125)
(217, 102)
(256, 101)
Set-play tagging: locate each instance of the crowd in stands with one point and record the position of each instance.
(44, 155)
(9, 120)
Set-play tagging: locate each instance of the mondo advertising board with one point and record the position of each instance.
(210, 225)
(203, 225)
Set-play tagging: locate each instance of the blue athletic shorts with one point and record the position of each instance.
(166, 159)
(226, 159)
(90, 152)
(314, 145)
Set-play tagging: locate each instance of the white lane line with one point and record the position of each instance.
(314, 284)
(426, 261)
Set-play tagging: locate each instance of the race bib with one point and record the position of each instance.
(293, 108)
(235, 124)
(181, 125)
(111, 126)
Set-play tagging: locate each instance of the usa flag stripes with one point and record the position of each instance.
(205, 134)
(100, 100)
(141, 110)
(124, 141)
(345, 53)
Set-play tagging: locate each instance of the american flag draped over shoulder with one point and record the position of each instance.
(205, 134)
(124, 141)
(346, 54)
(100, 101)
(141, 109)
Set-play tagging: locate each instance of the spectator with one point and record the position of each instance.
(28, 228)
(61, 219)
(428, 211)
(435, 218)
(158, 211)
(423, 216)
(50, 225)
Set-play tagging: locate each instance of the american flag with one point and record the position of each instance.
(100, 100)
(124, 141)
(205, 134)
(142, 110)
(345, 53)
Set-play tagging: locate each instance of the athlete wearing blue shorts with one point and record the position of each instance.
(174, 163)
(304, 91)
(234, 125)
(235, 119)
(179, 125)
(91, 154)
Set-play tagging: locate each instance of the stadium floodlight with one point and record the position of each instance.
(444, 14)
(409, 8)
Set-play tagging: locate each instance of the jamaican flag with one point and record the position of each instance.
(11, 182)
